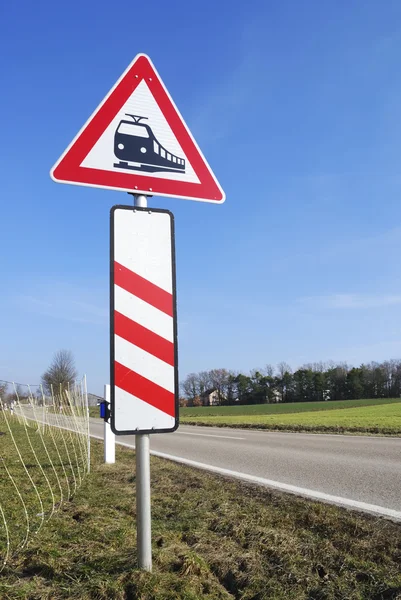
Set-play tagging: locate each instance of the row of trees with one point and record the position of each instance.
(312, 382)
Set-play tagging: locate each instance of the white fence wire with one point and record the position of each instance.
(44, 457)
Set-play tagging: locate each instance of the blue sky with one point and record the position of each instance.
(297, 109)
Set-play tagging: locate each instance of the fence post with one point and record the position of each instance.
(88, 422)
(44, 414)
(109, 437)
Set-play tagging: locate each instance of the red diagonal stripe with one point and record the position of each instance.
(144, 389)
(143, 338)
(143, 289)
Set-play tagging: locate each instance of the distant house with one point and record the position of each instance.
(210, 397)
(93, 399)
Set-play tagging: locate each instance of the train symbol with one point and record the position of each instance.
(137, 148)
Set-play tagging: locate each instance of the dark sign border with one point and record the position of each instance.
(112, 353)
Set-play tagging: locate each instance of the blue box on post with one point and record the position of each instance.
(105, 410)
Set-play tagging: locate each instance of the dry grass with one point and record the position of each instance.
(39, 469)
(212, 538)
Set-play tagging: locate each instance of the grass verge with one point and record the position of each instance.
(212, 538)
(40, 468)
(384, 419)
(94, 411)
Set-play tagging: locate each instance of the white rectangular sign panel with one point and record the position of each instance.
(143, 317)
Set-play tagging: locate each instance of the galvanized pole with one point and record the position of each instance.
(108, 436)
(143, 515)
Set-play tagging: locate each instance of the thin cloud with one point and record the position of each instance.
(350, 301)
(365, 353)
(381, 245)
(219, 109)
(61, 300)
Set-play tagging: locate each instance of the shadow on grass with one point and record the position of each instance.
(212, 538)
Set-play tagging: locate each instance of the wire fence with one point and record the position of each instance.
(44, 457)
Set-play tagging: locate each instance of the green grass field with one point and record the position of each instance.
(213, 539)
(263, 409)
(358, 416)
(274, 409)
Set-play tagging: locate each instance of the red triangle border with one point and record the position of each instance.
(68, 169)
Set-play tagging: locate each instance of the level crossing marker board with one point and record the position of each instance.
(143, 318)
(137, 141)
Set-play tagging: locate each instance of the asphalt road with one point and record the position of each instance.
(358, 472)
(355, 471)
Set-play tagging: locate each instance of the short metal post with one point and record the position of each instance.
(140, 200)
(142, 451)
(143, 514)
(108, 435)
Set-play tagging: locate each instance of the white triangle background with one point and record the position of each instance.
(141, 102)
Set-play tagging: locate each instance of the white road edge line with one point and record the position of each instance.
(282, 487)
(226, 437)
(285, 487)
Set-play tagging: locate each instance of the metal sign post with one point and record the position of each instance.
(137, 141)
(142, 456)
(143, 512)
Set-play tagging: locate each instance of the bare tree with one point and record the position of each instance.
(190, 387)
(219, 379)
(269, 370)
(283, 368)
(204, 382)
(3, 389)
(61, 372)
(16, 393)
(284, 379)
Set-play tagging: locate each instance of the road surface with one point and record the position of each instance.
(356, 471)
(359, 472)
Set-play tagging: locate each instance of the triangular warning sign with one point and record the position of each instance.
(137, 141)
